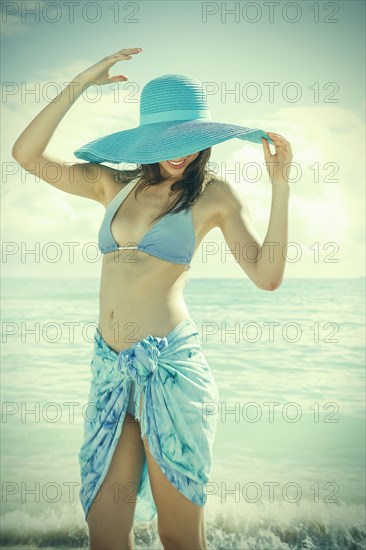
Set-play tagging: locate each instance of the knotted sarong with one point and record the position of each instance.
(179, 413)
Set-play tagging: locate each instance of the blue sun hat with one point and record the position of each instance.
(175, 121)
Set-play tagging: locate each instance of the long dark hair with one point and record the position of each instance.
(195, 179)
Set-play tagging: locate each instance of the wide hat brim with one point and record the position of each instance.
(161, 141)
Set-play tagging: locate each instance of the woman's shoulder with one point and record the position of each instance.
(219, 197)
(209, 202)
(216, 188)
(114, 180)
(125, 176)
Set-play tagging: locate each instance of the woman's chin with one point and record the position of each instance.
(169, 173)
(175, 173)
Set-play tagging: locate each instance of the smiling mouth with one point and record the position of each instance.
(177, 165)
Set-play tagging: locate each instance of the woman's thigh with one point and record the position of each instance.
(110, 518)
(180, 521)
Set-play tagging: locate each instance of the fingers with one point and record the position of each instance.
(283, 151)
(130, 50)
(267, 151)
(278, 139)
(117, 78)
(121, 55)
(280, 142)
(126, 52)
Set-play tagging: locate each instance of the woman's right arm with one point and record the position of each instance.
(83, 179)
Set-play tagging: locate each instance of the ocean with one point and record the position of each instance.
(289, 453)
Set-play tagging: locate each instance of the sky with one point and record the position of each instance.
(293, 68)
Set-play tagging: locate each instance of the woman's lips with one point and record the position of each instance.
(177, 166)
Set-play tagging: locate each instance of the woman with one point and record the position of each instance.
(148, 441)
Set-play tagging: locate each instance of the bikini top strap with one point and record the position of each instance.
(121, 195)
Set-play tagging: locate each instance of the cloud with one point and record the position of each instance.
(18, 15)
(13, 26)
(327, 203)
(36, 211)
(327, 143)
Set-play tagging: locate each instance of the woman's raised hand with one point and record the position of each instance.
(99, 73)
(278, 165)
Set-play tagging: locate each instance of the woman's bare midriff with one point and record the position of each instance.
(139, 295)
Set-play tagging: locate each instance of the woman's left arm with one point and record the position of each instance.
(263, 263)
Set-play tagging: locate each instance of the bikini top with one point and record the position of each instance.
(172, 237)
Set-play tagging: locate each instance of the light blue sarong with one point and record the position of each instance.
(179, 413)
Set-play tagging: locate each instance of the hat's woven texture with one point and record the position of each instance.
(175, 121)
(173, 93)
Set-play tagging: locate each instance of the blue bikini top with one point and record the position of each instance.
(172, 237)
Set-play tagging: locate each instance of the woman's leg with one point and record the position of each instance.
(180, 521)
(110, 518)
